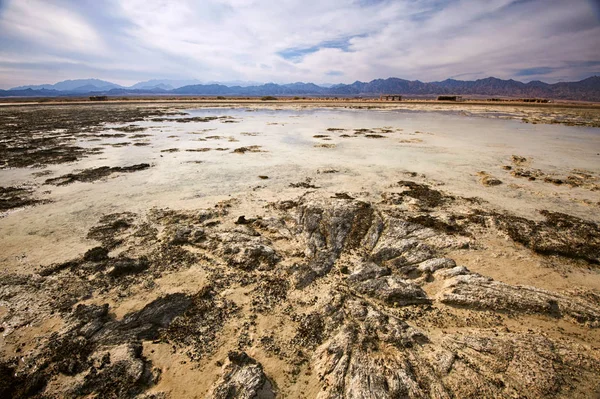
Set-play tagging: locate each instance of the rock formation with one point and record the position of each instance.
(360, 297)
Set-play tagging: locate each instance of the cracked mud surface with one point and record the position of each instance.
(340, 283)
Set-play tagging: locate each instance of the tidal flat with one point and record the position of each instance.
(181, 250)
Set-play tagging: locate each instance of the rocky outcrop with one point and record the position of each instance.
(376, 355)
(245, 251)
(358, 299)
(330, 228)
(478, 292)
(340, 225)
(364, 357)
(392, 290)
(243, 378)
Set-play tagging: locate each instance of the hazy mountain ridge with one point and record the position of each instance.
(584, 90)
(72, 85)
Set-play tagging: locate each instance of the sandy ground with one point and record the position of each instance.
(506, 162)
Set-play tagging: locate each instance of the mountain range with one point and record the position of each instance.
(584, 90)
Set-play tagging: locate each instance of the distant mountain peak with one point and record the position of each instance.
(72, 85)
(586, 90)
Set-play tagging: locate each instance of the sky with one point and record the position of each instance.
(284, 41)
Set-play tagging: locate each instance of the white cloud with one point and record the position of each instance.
(50, 26)
(244, 39)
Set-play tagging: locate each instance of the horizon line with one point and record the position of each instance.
(256, 84)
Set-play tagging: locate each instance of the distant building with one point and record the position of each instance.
(98, 98)
(449, 98)
(390, 97)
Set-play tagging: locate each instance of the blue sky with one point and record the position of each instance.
(335, 41)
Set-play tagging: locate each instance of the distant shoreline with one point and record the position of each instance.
(24, 101)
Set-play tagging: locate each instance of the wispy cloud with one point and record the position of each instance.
(48, 25)
(294, 40)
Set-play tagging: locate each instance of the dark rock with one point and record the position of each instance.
(96, 254)
(9, 382)
(187, 235)
(449, 226)
(559, 234)
(146, 323)
(303, 276)
(553, 180)
(426, 196)
(342, 196)
(242, 220)
(124, 265)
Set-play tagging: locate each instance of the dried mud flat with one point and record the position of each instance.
(411, 292)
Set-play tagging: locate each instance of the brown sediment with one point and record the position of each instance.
(303, 184)
(90, 175)
(252, 148)
(130, 129)
(410, 141)
(16, 197)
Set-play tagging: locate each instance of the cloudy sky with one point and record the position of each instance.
(336, 41)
